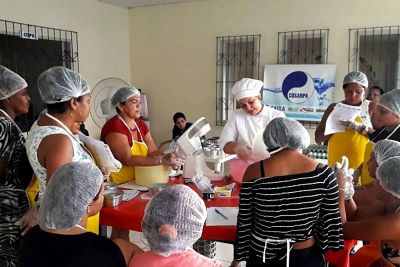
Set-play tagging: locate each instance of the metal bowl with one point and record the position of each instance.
(109, 186)
(155, 188)
(113, 198)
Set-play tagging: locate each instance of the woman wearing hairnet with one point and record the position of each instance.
(379, 220)
(288, 210)
(74, 193)
(172, 223)
(243, 124)
(130, 141)
(15, 171)
(386, 119)
(52, 140)
(350, 143)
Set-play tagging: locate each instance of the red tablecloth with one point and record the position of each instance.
(129, 214)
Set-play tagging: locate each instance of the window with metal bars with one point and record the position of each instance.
(29, 50)
(303, 47)
(237, 57)
(375, 51)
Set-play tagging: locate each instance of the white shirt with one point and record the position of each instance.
(242, 127)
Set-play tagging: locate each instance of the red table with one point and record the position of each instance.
(128, 215)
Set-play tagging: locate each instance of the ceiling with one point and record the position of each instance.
(141, 3)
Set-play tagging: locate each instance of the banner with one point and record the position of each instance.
(303, 92)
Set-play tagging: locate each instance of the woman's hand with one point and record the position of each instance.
(174, 159)
(28, 220)
(243, 151)
(344, 177)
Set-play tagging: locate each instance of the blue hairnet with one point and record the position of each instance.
(285, 132)
(59, 84)
(356, 77)
(10, 83)
(68, 194)
(173, 220)
(123, 94)
(388, 174)
(391, 101)
(386, 149)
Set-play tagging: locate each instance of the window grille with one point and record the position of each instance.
(375, 51)
(29, 50)
(303, 47)
(237, 57)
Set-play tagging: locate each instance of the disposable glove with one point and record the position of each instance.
(344, 176)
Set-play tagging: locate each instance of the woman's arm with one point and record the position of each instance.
(385, 227)
(319, 132)
(121, 149)
(54, 151)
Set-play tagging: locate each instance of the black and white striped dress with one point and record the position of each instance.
(295, 207)
(13, 182)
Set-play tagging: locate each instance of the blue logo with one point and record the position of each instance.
(298, 87)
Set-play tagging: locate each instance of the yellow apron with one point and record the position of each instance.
(127, 173)
(350, 144)
(365, 177)
(32, 191)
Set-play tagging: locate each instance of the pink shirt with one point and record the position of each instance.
(180, 259)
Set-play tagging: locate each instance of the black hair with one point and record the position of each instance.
(61, 107)
(177, 116)
(117, 109)
(377, 87)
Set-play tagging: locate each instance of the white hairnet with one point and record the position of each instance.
(10, 83)
(388, 174)
(285, 132)
(59, 84)
(246, 88)
(391, 101)
(173, 220)
(68, 194)
(356, 77)
(123, 94)
(386, 149)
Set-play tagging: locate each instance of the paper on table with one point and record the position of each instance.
(214, 218)
(129, 194)
(341, 112)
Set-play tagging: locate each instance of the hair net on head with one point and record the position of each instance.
(10, 83)
(246, 88)
(391, 101)
(386, 149)
(356, 77)
(388, 174)
(173, 220)
(59, 84)
(285, 133)
(68, 194)
(123, 94)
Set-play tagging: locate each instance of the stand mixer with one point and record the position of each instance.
(190, 144)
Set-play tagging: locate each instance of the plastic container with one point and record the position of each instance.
(112, 198)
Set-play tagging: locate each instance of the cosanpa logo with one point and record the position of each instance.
(298, 87)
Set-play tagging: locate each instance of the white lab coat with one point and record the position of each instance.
(242, 127)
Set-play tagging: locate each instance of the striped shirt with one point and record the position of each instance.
(295, 207)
